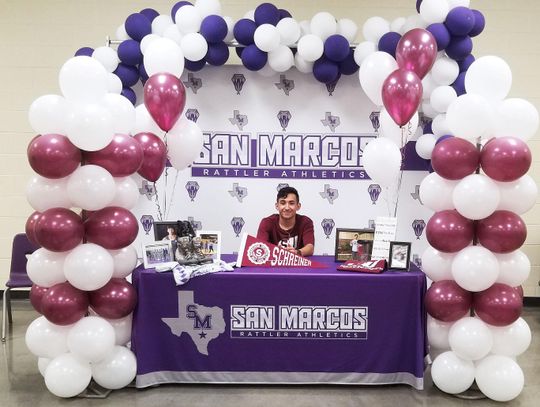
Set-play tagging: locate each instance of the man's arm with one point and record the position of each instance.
(263, 232)
(308, 237)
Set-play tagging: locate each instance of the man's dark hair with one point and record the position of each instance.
(283, 192)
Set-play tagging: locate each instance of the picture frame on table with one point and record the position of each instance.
(157, 254)
(210, 243)
(399, 255)
(353, 244)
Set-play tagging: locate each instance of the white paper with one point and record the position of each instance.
(385, 232)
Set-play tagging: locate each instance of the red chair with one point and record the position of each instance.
(18, 278)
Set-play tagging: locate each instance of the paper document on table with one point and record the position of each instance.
(385, 232)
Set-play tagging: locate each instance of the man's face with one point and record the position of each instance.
(288, 206)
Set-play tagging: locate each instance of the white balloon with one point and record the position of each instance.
(499, 377)
(516, 118)
(310, 47)
(397, 25)
(161, 23)
(374, 28)
(88, 267)
(185, 143)
(46, 268)
(437, 333)
(289, 31)
(382, 161)
(208, 7)
(188, 19)
(47, 114)
(144, 122)
(442, 97)
(475, 268)
(514, 268)
(91, 338)
(83, 79)
(436, 192)
(511, 340)
(434, 11)
(123, 112)
(490, 77)
(451, 373)
(428, 85)
(437, 265)
(323, 25)
(518, 196)
(147, 40)
(43, 363)
(121, 33)
(469, 116)
(428, 110)
(304, 28)
(127, 193)
(445, 71)
(114, 84)
(67, 375)
(44, 193)
(230, 28)
(281, 59)
(117, 370)
(122, 329)
(476, 196)
(440, 127)
(45, 339)
(399, 135)
(412, 22)
(91, 187)
(267, 37)
(347, 28)
(164, 55)
(172, 32)
(90, 126)
(363, 50)
(373, 72)
(107, 57)
(194, 46)
(470, 338)
(125, 261)
(425, 145)
(302, 65)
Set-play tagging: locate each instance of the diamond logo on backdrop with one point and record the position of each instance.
(238, 81)
(281, 186)
(284, 116)
(238, 192)
(328, 226)
(329, 193)
(192, 187)
(193, 83)
(239, 120)
(192, 114)
(416, 194)
(147, 189)
(284, 84)
(417, 259)
(418, 226)
(147, 221)
(331, 87)
(374, 118)
(332, 122)
(374, 190)
(196, 224)
(237, 224)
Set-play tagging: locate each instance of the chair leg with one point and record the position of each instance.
(4, 308)
(8, 302)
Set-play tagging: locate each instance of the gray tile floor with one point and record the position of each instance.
(22, 385)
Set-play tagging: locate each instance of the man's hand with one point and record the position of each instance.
(290, 249)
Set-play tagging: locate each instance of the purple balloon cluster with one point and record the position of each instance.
(337, 60)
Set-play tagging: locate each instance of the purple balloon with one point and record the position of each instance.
(129, 75)
(401, 95)
(239, 51)
(465, 63)
(253, 58)
(348, 66)
(59, 230)
(194, 66)
(460, 21)
(505, 159)
(501, 232)
(447, 301)
(177, 6)
(499, 305)
(283, 14)
(441, 34)
(416, 51)
(336, 48)
(442, 138)
(30, 227)
(427, 128)
(154, 156)
(244, 29)
(459, 48)
(214, 29)
(459, 84)
(479, 23)
(325, 70)
(122, 157)
(130, 95)
(116, 299)
(36, 296)
(149, 13)
(53, 156)
(84, 51)
(388, 43)
(142, 73)
(129, 52)
(217, 54)
(138, 26)
(266, 13)
(455, 158)
(64, 304)
(418, 3)
(112, 228)
(164, 98)
(449, 232)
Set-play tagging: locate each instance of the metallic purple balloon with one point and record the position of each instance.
(416, 51)
(114, 300)
(30, 227)
(447, 301)
(122, 157)
(112, 228)
(505, 159)
(401, 95)
(499, 305)
(59, 230)
(64, 304)
(455, 158)
(449, 232)
(53, 156)
(154, 156)
(501, 232)
(164, 98)
(36, 296)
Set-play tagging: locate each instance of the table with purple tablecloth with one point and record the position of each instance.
(281, 325)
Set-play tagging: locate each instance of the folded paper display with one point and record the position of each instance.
(372, 266)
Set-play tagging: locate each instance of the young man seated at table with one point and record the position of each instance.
(288, 229)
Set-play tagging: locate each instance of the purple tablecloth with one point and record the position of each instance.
(284, 325)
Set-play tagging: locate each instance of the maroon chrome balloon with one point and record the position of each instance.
(502, 232)
(449, 232)
(164, 98)
(454, 158)
(122, 157)
(64, 304)
(53, 156)
(30, 227)
(401, 95)
(447, 301)
(36, 296)
(499, 305)
(505, 159)
(154, 156)
(114, 300)
(112, 228)
(59, 230)
(417, 51)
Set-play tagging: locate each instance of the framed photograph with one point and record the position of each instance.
(210, 243)
(166, 230)
(400, 255)
(157, 253)
(354, 244)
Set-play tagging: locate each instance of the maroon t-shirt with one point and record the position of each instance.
(300, 235)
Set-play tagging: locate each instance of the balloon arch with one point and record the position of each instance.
(475, 141)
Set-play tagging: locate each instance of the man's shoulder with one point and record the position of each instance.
(303, 219)
(270, 219)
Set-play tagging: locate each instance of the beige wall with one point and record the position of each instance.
(38, 36)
